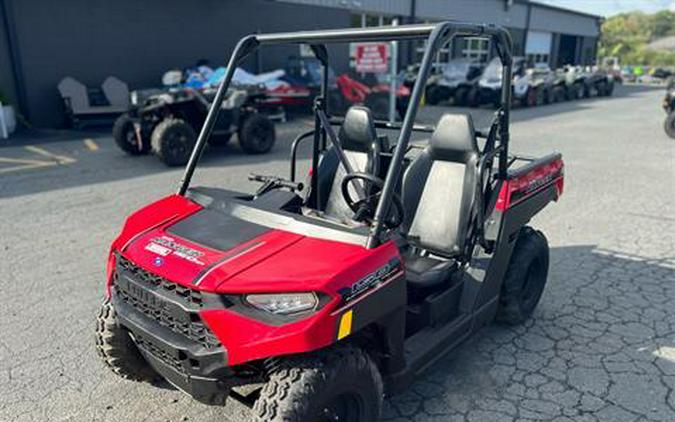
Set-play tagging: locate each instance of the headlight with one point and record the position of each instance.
(283, 303)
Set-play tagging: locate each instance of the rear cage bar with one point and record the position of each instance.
(436, 35)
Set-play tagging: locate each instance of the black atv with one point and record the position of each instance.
(166, 122)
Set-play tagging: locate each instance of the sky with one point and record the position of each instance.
(612, 7)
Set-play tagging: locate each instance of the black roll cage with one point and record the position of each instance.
(437, 35)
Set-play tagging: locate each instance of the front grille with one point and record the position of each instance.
(178, 320)
(149, 346)
(185, 294)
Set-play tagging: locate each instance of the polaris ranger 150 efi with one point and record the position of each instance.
(312, 304)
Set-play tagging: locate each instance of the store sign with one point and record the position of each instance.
(371, 57)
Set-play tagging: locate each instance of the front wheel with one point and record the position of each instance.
(525, 277)
(340, 384)
(173, 140)
(124, 134)
(257, 134)
(669, 125)
(117, 350)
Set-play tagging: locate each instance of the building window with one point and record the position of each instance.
(537, 59)
(476, 49)
(363, 20)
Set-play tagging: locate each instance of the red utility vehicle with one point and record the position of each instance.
(309, 303)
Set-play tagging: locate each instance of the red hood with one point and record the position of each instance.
(191, 264)
(268, 260)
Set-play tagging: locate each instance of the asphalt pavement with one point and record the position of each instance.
(600, 347)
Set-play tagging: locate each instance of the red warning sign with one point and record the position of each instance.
(372, 57)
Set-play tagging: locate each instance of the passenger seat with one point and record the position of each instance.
(439, 190)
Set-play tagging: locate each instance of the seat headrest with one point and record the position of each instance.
(358, 130)
(454, 138)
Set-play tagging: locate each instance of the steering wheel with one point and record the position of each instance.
(365, 208)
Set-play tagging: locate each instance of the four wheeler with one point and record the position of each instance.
(529, 89)
(167, 122)
(375, 95)
(310, 302)
(599, 83)
(669, 108)
(575, 82)
(455, 81)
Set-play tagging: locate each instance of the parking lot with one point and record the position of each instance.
(601, 346)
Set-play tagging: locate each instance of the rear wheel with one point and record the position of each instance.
(124, 134)
(434, 95)
(473, 97)
(525, 277)
(117, 349)
(173, 140)
(342, 384)
(257, 134)
(461, 94)
(669, 125)
(531, 97)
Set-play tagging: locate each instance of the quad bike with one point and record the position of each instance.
(599, 83)
(166, 122)
(311, 301)
(669, 107)
(531, 87)
(350, 91)
(455, 81)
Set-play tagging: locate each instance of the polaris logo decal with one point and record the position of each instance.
(370, 281)
(165, 245)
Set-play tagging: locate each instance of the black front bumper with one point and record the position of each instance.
(171, 336)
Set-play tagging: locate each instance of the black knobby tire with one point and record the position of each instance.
(669, 125)
(124, 134)
(338, 384)
(531, 97)
(559, 94)
(610, 89)
(117, 349)
(257, 134)
(579, 91)
(173, 140)
(434, 95)
(460, 96)
(539, 97)
(525, 277)
(473, 98)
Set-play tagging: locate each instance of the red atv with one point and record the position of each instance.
(311, 304)
(376, 97)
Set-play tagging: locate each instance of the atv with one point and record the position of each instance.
(312, 301)
(598, 83)
(166, 122)
(531, 87)
(669, 107)
(455, 81)
(373, 93)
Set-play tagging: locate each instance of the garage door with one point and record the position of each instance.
(538, 46)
